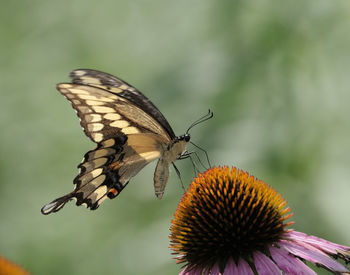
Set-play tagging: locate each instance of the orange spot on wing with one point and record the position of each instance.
(113, 191)
(116, 165)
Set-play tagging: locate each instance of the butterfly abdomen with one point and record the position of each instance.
(161, 175)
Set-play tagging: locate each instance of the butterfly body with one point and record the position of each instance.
(129, 131)
(173, 152)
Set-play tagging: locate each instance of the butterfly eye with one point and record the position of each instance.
(187, 137)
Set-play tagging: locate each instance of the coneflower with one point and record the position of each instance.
(10, 268)
(229, 222)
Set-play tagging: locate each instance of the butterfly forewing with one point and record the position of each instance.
(103, 114)
(123, 89)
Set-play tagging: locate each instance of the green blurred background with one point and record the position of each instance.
(276, 75)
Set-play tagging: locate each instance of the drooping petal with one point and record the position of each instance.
(312, 254)
(230, 268)
(324, 245)
(289, 264)
(184, 272)
(215, 270)
(206, 271)
(191, 271)
(264, 265)
(243, 268)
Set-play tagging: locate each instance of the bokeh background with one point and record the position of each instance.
(276, 75)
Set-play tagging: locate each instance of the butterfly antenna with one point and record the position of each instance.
(205, 152)
(209, 115)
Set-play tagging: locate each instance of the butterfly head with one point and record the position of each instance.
(180, 143)
(186, 137)
(178, 147)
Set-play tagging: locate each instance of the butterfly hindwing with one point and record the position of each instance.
(107, 169)
(113, 163)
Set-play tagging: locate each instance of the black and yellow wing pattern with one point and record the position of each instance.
(129, 131)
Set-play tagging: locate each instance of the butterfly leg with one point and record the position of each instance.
(187, 155)
(179, 175)
(205, 152)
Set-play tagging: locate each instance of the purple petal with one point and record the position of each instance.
(190, 270)
(312, 254)
(289, 264)
(264, 265)
(215, 270)
(230, 268)
(184, 272)
(243, 268)
(206, 271)
(324, 245)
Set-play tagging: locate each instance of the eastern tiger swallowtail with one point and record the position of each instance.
(130, 132)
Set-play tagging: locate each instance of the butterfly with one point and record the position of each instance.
(129, 131)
